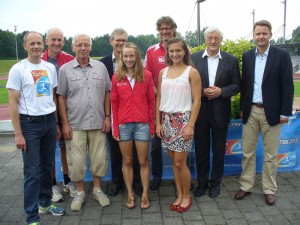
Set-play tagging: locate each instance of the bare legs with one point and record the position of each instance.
(182, 177)
(127, 154)
(142, 153)
(96, 183)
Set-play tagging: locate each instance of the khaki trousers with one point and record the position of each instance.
(93, 141)
(270, 134)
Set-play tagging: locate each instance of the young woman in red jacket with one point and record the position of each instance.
(132, 99)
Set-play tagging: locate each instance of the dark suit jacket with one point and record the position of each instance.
(277, 85)
(107, 61)
(227, 78)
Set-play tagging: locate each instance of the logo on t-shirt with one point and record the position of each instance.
(41, 81)
(161, 59)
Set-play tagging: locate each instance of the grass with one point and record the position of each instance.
(296, 89)
(5, 66)
(3, 93)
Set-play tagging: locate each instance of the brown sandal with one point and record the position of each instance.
(130, 202)
(145, 203)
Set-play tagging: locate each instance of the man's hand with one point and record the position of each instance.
(106, 125)
(212, 92)
(284, 120)
(67, 132)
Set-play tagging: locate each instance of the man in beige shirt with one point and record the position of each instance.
(84, 107)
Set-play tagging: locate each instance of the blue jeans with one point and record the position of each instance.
(135, 132)
(38, 159)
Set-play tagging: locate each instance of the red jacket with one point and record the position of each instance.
(132, 105)
(62, 57)
(155, 60)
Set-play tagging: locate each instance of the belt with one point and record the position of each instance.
(258, 105)
(41, 116)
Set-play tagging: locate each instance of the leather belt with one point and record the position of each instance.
(258, 105)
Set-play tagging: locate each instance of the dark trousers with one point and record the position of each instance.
(40, 135)
(156, 157)
(207, 135)
(116, 162)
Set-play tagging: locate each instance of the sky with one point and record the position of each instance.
(99, 17)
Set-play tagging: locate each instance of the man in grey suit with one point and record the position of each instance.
(220, 77)
(267, 93)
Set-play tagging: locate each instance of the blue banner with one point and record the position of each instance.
(288, 153)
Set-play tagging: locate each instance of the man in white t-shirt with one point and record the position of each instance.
(32, 98)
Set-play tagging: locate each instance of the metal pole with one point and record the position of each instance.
(284, 21)
(16, 43)
(198, 21)
(253, 13)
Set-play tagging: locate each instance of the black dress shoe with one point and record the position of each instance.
(214, 191)
(138, 188)
(154, 185)
(113, 189)
(200, 190)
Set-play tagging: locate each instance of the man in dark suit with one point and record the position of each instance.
(117, 39)
(220, 77)
(267, 92)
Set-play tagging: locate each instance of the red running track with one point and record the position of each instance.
(4, 112)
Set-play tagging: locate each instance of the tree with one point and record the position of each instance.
(101, 46)
(296, 35)
(7, 44)
(143, 42)
(191, 38)
(68, 45)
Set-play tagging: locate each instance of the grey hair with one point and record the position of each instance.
(80, 35)
(53, 30)
(119, 31)
(213, 29)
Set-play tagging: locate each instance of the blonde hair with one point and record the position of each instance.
(138, 74)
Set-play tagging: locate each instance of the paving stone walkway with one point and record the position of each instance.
(204, 210)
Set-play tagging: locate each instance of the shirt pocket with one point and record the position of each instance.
(97, 80)
(76, 82)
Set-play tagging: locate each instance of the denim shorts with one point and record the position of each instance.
(134, 132)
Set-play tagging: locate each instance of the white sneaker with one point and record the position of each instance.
(77, 201)
(56, 194)
(101, 197)
(71, 188)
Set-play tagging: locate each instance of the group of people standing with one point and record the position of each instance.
(168, 102)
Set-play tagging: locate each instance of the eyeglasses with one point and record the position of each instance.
(165, 29)
(210, 38)
(82, 45)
